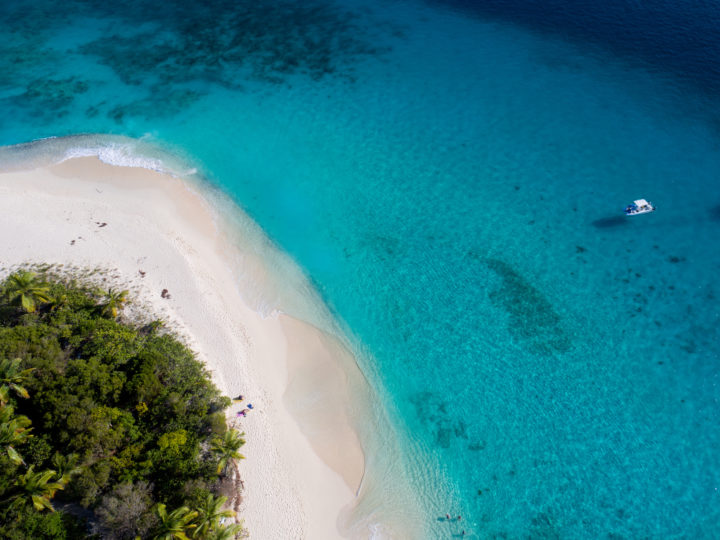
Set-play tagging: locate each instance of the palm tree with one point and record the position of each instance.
(210, 514)
(58, 301)
(38, 487)
(173, 525)
(227, 532)
(11, 377)
(67, 466)
(13, 430)
(226, 448)
(25, 289)
(114, 300)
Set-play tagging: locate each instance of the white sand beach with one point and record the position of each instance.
(151, 232)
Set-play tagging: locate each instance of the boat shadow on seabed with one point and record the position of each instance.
(610, 222)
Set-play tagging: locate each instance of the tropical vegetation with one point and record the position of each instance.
(109, 428)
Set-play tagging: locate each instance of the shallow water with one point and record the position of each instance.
(451, 179)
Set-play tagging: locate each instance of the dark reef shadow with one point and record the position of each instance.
(532, 318)
(236, 44)
(610, 222)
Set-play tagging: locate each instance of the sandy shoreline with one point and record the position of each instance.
(304, 462)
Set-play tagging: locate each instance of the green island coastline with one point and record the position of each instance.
(109, 425)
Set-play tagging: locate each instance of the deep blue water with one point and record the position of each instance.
(682, 38)
(450, 175)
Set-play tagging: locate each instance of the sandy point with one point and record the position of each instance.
(159, 237)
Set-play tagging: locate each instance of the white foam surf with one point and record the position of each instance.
(111, 149)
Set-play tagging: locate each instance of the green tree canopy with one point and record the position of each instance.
(125, 421)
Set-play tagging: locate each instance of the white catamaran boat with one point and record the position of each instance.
(641, 206)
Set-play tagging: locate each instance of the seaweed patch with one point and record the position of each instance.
(174, 102)
(432, 411)
(532, 317)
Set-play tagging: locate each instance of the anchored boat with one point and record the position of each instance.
(641, 206)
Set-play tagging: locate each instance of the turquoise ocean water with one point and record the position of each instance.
(451, 177)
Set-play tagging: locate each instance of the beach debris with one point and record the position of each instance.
(165, 294)
(142, 273)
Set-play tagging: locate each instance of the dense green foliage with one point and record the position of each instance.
(106, 427)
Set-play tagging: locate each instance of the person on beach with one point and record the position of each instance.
(239, 398)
